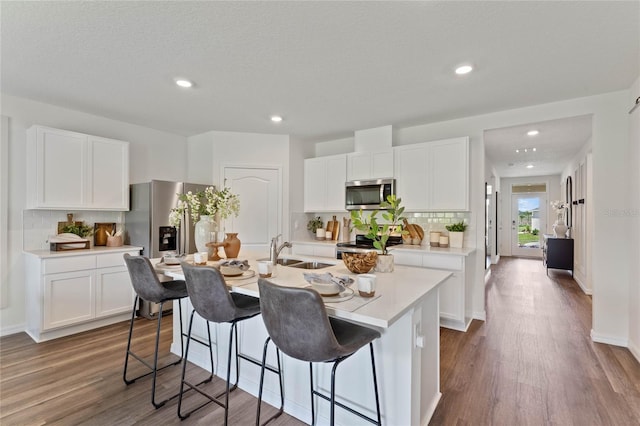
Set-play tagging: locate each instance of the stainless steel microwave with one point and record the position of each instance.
(368, 194)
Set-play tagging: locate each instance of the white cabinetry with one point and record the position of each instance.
(324, 179)
(455, 294)
(433, 176)
(370, 165)
(66, 294)
(69, 170)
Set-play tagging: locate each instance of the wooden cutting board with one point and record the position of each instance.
(334, 227)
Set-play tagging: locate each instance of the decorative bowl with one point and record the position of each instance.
(325, 288)
(360, 263)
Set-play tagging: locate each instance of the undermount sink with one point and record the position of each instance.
(288, 262)
(310, 265)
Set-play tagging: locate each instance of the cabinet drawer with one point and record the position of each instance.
(112, 259)
(67, 264)
(453, 263)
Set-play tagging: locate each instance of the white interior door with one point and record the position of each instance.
(528, 222)
(260, 216)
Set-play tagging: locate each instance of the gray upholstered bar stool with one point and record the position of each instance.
(298, 324)
(213, 301)
(148, 287)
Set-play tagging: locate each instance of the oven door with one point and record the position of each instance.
(367, 195)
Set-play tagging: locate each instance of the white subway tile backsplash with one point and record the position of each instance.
(39, 225)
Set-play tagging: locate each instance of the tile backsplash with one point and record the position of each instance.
(39, 225)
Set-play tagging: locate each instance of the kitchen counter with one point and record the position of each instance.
(405, 248)
(407, 354)
(46, 254)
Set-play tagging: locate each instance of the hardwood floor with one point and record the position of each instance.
(531, 362)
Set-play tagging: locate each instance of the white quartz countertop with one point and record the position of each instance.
(422, 249)
(399, 291)
(43, 254)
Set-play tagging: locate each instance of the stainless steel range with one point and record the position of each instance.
(363, 244)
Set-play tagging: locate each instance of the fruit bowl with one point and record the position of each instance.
(360, 263)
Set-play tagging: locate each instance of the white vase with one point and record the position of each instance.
(560, 229)
(384, 263)
(205, 232)
(456, 239)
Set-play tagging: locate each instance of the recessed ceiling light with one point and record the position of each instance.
(464, 69)
(533, 149)
(529, 166)
(517, 150)
(184, 83)
(276, 118)
(532, 132)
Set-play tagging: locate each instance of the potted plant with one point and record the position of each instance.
(456, 234)
(79, 229)
(314, 224)
(380, 233)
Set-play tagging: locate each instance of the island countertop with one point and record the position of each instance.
(396, 292)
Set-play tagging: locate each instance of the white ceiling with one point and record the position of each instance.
(557, 142)
(328, 68)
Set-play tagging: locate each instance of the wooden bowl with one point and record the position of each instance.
(360, 263)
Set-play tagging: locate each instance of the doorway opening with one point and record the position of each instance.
(528, 219)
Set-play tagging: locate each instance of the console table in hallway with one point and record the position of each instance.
(557, 253)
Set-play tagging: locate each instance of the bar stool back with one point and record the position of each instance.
(148, 287)
(298, 324)
(213, 301)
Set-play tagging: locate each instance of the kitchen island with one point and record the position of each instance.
(404, 310)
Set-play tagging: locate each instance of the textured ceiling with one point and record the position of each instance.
(328, 67)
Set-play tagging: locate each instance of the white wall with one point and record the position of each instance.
(634, 216)
(210, 152)
(153, 155)
(506, 206)
(610, 148)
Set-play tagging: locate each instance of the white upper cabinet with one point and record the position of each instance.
(324, 179)
(449, 171)
(370, 165)
(433, 176)
(69, 170)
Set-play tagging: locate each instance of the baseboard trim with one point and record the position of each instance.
(431, 409)
(14, 329)
(635, 350)
(584, 288)
(609, 340)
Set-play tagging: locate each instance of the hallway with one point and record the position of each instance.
(533, 361)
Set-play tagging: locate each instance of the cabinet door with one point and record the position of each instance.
(359, 166)
(109, 174)
(68, 298)
(452, 298)
(412, 183)
(382, 164)
(449, 174)
(315, 177)
(336, 176)
(114, 292)
(57, 178)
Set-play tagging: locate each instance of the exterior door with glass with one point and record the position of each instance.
(527, 224)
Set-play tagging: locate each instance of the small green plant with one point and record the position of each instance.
(535, 232)
(457, 227)
(80, 230)
(373, 231)
(315, 224)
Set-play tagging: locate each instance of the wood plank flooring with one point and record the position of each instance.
(531, 362)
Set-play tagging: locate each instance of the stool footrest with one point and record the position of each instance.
(345, 407)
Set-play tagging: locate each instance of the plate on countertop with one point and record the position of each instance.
(346, 294)
(162, 265)
(243, 276)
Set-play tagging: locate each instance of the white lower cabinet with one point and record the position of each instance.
(69, 294)
(455, 293)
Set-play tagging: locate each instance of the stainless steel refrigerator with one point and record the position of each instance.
(147, 223)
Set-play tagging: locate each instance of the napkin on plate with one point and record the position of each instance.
(242, 265)
(342, 282)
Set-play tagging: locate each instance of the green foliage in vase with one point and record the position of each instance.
(315, 224)
(380, 233)
(80, 230)
(457, 227)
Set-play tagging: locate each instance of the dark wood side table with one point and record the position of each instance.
(557, 253)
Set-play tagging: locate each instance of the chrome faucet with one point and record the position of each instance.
(275, 249)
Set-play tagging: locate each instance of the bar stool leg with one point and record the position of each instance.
(126, 357)
(313, 414)
(279, 373)
(184, 367)
(375, 383)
